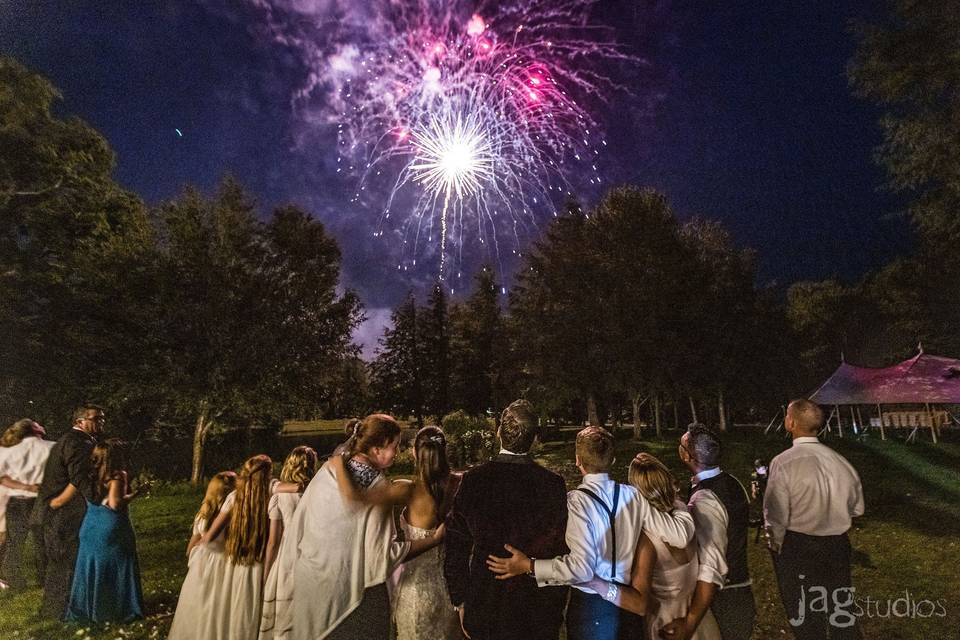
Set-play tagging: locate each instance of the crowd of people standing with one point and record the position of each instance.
(502, 551)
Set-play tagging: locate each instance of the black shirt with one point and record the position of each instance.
(69, 463)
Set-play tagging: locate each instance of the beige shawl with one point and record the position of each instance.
(337, 549)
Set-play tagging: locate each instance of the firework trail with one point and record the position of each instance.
(459, 121)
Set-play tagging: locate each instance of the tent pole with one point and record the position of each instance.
(883, 435)
(839, 422)
(933, 428)
(863, 427)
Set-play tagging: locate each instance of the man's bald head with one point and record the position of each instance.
(806, 418)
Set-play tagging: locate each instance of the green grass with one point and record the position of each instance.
(908, 540)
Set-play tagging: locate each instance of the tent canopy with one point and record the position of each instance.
(921, 379)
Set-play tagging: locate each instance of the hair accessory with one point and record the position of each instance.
(437, 439)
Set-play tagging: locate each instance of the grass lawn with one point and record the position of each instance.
(907, 542)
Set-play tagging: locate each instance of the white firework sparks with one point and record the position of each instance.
(460, 120)
(452, 156)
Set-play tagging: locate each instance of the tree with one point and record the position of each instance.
(628, 302)
(74, 260)
(905, 63)
(435, 338)
(724, 309)
(250, 320)
(397, 371)
(477, 340)
(554, 306)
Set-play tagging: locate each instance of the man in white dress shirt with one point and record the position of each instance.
(721, 509)
(21, 472)
(604, 521)
(812, 495)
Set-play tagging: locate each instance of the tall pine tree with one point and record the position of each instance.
(435, 340)
(398, 369)
(477, 340)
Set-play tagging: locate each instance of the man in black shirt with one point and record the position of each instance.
(61, 505)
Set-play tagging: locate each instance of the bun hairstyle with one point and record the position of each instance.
(654, 481)
(350, 426)
(376, 430)
(299, 467)
(433, 470)
(249, 526)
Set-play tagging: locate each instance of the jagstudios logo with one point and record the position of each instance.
(845, 607)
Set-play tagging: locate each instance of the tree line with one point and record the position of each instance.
(614, 309)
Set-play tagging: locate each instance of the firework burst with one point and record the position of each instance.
(464, 123)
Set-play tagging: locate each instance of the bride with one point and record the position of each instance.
(421, 605)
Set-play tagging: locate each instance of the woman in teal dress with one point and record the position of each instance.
(106, 582)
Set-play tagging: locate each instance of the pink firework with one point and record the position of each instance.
(464, 123)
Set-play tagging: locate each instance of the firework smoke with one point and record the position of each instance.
(460, 122)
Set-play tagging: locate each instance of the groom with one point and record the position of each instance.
(509, 499)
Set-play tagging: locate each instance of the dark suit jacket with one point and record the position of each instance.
(510, 499)
(69, 463)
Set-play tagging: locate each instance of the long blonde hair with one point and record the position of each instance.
(218, 489)
(653, 480)
(249, 526)
(299, 467)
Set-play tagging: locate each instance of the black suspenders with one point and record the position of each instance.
(612, 515)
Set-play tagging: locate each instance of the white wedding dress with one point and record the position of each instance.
(673, 585)
(421, 604)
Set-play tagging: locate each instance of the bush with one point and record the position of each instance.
(459, 422)
(472, 447)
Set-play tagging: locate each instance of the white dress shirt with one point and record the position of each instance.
(588, 534)
(812, 490)
(25, 462)
(711, 519)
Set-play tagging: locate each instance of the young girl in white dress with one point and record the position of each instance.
(277, 617)
(204, 563)
(227, 588)
(420, 602)
(663, 578)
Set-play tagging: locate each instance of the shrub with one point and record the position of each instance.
(459, 422)
(470, 439)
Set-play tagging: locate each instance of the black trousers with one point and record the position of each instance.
(18, 528)
(735, 612)
(61, 539)
(813, 573)
(590, 617)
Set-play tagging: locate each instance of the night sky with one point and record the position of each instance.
(741, 112)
